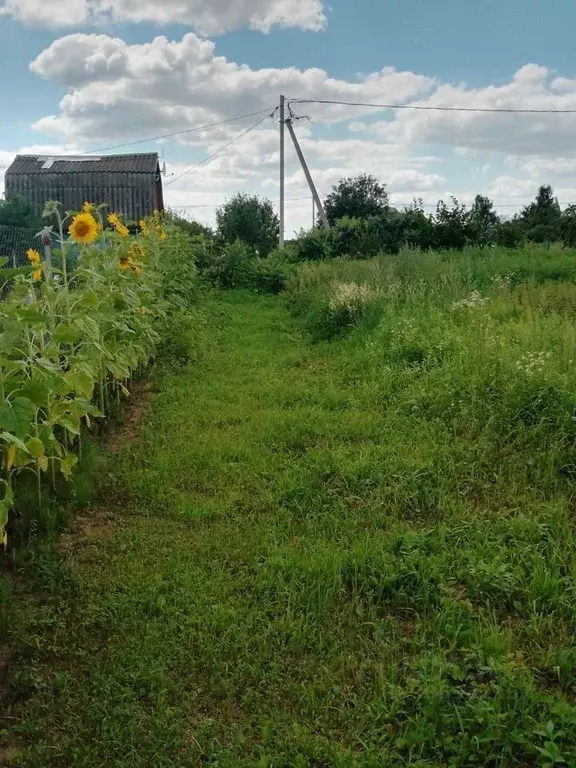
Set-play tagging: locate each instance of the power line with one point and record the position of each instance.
(222, 148)
(216, 205)
(176, 133)
(428, 108)
(395, 205)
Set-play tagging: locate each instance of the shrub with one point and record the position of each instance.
(232, 267)
(315, 245)
(271, 274)
(345, 306)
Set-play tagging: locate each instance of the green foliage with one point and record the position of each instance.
(251, 220)
(543, 212)
(509, 234)
(314, 245)
(541, 233)
(232, 267)
(356, 198)
(271, 274)
(451, 225)
(568, 226)
(18, 212)
(483, 221)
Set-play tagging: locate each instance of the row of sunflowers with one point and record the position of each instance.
(71, 342)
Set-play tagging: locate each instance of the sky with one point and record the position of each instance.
(84, 75)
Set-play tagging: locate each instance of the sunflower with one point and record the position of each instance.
(124, 262)
(88, 208)
(136, 269)
(84, 229)
(37, 274)
(33, 256)
(115, 222)
(162, 235)
(144, 227)
(137, 251)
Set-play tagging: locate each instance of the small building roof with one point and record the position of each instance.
(24, 165)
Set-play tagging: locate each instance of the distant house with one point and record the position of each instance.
(131, 185)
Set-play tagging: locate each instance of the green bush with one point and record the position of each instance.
(315, 245)
(271, 274)
(232, 267)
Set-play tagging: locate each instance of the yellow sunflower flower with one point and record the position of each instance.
(33, 256)
(115, 222)
(144, 227)
(163, 235)
(37, 274)
(124, 262)
(84, 229)
(88, 208)
(136, 269)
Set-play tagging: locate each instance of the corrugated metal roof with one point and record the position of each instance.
(50, 164)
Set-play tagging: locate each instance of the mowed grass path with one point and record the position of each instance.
(260, 597)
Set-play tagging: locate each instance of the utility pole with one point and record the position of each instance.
(282, 158)
(315, 195)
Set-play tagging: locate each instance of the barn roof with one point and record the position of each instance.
(25, 165)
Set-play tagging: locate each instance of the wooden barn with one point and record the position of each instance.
(131, 185)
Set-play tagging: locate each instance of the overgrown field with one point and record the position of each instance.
(345, 538)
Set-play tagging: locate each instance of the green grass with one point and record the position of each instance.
(349, 553)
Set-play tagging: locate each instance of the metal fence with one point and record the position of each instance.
(15, 241)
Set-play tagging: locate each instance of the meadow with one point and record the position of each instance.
(343, 536)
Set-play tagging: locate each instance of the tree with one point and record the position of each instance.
(250, 219)
(568, 226)
(452, 225)
(483, 221)
(509, 233)
(542, 218)
(18, 212)
(418, 226)
(358, 198)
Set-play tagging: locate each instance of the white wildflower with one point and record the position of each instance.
(351, 296)
(473, 301)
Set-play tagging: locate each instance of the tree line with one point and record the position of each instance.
(363, 222)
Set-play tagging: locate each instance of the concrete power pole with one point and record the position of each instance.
(309, 179)
(282, 172)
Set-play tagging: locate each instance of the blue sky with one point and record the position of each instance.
(96, 81)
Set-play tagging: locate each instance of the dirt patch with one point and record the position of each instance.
(118, 437)
(86, 527)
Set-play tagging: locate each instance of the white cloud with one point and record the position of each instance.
(510, 189)
(62, 13)
(118, 91)
(544, 166)
(207, 18)
(532, 87)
